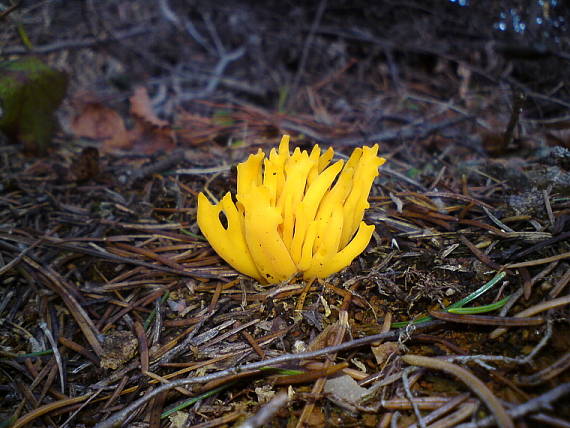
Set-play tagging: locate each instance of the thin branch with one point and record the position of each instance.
(542, 402)
(217, 74)
(474, 383)
(307, 45)
(76, 44)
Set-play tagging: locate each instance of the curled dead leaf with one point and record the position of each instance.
(141, 108)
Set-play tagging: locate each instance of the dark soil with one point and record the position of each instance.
(115, 310)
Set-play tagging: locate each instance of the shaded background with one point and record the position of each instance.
(469, 101)
(241, 51)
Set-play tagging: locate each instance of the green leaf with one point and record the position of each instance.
(480, 309)
(280, 371)
(487, 286)
(30, 92)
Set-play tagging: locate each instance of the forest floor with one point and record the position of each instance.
(115, 309)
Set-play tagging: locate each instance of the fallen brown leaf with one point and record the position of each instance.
(98, 122)
(141, 108)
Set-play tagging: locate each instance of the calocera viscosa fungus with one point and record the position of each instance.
(294, 213)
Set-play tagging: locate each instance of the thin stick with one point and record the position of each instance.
(406, 383)
(478, 387)
(539, 261)
(542, 402)
(533, 310)
(487, 319)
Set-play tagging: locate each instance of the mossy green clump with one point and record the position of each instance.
(30, 92)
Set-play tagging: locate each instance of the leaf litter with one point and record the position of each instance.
(99, 241)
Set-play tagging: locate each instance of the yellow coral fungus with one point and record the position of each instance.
(294, 213)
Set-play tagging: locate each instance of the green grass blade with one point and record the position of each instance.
(459, 304)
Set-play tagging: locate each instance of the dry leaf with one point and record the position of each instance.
(147, 138)
(383, 351)
(149, 134)
(119, 141)
(345, 391)
(98, 122)
(141, 107)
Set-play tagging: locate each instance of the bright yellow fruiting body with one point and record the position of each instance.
(289, 216)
